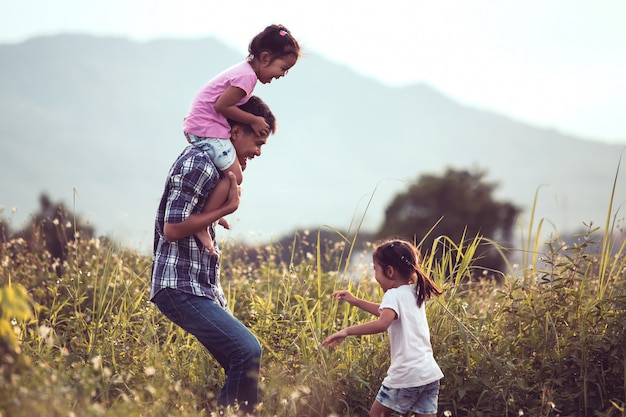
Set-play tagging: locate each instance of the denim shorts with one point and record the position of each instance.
(421, 400)
(221, 151)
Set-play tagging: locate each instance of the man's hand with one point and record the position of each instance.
(197, 222)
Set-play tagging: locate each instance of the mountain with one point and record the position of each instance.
(96, 123)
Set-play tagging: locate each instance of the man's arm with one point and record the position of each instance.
(197, 222)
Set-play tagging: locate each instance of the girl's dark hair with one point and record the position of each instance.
(406, 259)
(275, 39)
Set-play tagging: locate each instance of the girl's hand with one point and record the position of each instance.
(334, 339)
(260, 127)
(344, 295)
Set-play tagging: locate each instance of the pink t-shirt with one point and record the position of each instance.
(203, 120)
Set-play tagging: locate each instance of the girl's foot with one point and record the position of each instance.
(224, 223)
(207, 242)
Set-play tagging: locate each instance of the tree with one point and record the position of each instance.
(51, 230)
(463, 201)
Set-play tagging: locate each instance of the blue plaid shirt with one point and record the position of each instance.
(186, 264)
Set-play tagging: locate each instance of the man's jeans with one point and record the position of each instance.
(234, 346)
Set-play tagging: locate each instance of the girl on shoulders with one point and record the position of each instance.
(271, 54)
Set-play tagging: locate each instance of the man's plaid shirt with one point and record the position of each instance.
(186, 264)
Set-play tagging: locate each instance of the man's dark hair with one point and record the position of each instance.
(257, 107)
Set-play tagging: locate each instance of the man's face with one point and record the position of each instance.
(247, 144)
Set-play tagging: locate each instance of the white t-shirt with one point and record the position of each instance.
(412, 360)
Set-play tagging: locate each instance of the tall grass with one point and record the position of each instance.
(547, 339)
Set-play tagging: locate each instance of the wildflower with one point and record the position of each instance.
(96, 361)
(149, 370)
(44, 331)
(98, 408)
(55, 222)
(520, 412)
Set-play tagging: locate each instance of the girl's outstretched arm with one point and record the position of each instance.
(347, 296)
(387, 316)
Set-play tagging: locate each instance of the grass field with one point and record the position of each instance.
(80, 338)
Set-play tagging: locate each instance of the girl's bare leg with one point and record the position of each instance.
(379, 410)
(218, 198)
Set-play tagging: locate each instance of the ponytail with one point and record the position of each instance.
(425, 287)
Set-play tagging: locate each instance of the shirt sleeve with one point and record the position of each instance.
(246, 83)
(190, 183)
(245, 78)
(390, 301)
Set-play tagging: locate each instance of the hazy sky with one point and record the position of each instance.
(554, 63)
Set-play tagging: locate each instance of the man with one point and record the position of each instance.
(186, 277)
